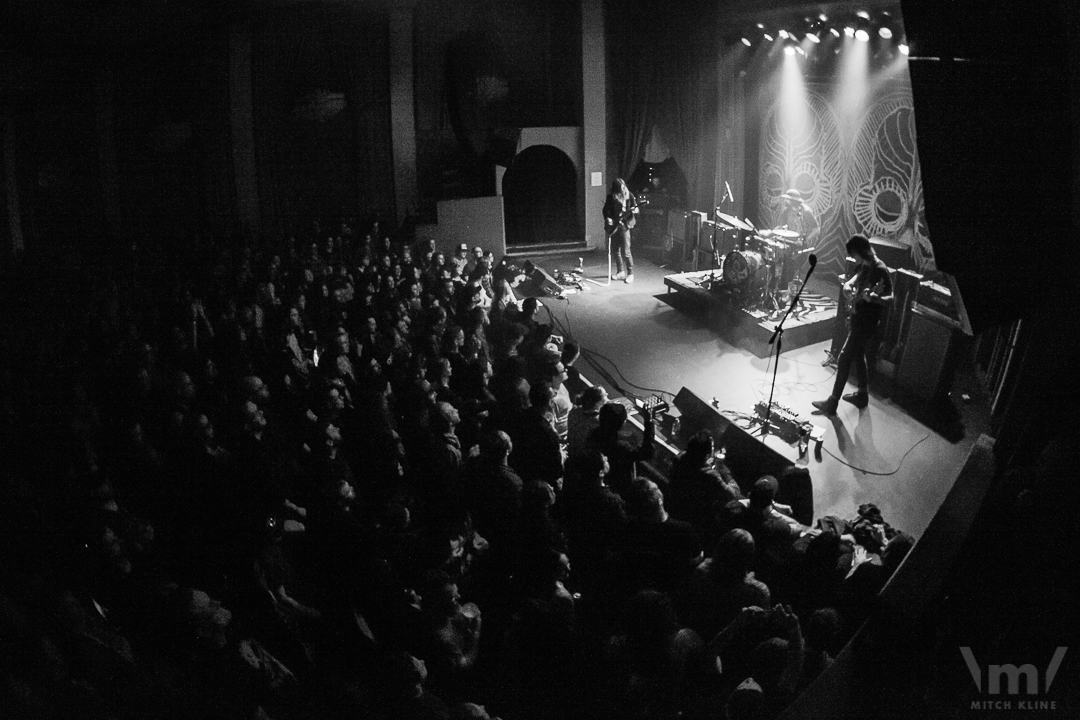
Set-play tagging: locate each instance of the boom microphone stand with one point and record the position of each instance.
(778, 339)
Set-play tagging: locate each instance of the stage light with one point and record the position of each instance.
(834, 32)
(904, 49)
(885, 33)
(746, 42)
(849, 31)
(789, 49)
(761, 26)
(769, 37)
(863, 14)
(812, 37)
(784, 34)
(823, 17)
(800, 51)
(862, 36)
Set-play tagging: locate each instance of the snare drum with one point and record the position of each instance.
(770, 250)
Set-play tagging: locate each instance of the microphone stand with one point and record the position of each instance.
(778, 339)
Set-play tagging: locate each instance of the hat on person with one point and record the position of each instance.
(792, 194)
(463, 248)
(764, 492)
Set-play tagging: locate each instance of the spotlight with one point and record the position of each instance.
(823, 17)
(800, 51)
(849, 31)
(863, 14)
(904, 49)
(812, 37)
(862, 36)
(834, 32)
(784, 34)
(789, 49)
(884, 32)
(769, 37)
(761, 26)
(746, 42)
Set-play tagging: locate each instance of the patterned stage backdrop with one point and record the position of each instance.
(857, 177)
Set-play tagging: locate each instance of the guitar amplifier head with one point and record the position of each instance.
(937, 297)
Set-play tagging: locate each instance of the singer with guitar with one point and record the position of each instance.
(620, 210)
(870, 293)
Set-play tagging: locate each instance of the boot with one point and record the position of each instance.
(826, 406)
(859, 399)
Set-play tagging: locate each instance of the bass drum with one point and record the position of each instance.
(741, 267)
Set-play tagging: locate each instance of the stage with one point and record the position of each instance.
(644, 339)
(752, 328)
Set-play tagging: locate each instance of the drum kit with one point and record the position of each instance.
(759, 269)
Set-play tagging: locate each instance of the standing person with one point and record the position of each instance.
(619, 211)
(870, 292)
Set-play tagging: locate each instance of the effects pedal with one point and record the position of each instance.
(652, 403)
(782, 415)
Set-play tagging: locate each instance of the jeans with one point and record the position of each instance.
(860, 341)
(620, 248)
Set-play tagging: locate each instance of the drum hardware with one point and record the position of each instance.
(732, 222)
(785, 233)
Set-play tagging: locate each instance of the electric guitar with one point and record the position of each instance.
(851, 294)
(626, 219)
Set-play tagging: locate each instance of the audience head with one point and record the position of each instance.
(734, 552)
(496, 445)
(700, 446)
(612, 417)
(763, 493)
(592, 398)
(645, 500)
(571, 351)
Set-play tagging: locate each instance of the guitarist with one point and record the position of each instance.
(620, 211)
(869, 292)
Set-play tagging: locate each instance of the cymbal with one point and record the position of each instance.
(732, 221)
(785, 233)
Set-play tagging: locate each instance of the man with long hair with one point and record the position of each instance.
(620, 211)
(870, 292)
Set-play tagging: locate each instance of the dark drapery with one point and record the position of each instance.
(663, 74)
(327, 169)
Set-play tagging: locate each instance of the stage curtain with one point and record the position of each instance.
(633, 74)
(338, 167)
(731, 134)
(663, 73)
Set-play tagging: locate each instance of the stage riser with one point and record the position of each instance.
(743, 330)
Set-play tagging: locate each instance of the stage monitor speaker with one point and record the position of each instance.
(929, 355)
(748, 458)
(543, 280)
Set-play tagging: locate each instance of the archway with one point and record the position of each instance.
(540, 198)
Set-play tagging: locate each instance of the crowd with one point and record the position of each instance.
(346, 477)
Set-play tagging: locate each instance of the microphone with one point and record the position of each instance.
(813, 263)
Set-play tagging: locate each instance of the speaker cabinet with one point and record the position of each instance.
(931, 347)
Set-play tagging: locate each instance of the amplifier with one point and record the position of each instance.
(937, 297)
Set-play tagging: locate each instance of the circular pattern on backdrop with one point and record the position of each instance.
(803, 150)
(885, 182)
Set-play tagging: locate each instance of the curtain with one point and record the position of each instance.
(663, 75)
